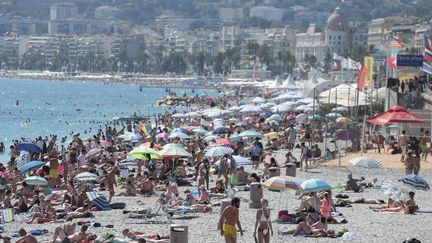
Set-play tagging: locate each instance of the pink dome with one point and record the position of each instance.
(337, 22)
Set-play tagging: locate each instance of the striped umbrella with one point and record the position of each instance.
(86, 176)
(36, 181)
(219, 151)
(415, 181)
(314, 185)
(174, 152)
(366, 162)
(282, 182)
(99, 201)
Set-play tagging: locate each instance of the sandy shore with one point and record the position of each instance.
(366, 225)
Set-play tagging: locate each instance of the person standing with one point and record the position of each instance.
(304, 157)
(403, 144)
(292, 135)
(257, 152)
(263, 223)
(423, 145)
(111, 180)
(228, 221)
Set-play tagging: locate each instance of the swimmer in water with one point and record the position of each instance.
(17, 103)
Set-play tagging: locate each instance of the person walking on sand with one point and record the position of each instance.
(263, 223)
(228, 221)
(111, 180)
(403, 144)
(304, 157)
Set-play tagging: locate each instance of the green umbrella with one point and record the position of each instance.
(140, 152)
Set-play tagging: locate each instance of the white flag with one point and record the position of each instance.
(344, 63)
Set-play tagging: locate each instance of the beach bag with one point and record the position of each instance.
(283, 215)
(234, 180)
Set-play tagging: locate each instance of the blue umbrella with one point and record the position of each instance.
(250, 134)
(30, 166)
(392, 127)
(415, 181)
(178, 135)
(99, 200)
(182, 130)
(30, 147)
(314, 185)
(220, 130)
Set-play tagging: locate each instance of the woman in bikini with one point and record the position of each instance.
(263, 223)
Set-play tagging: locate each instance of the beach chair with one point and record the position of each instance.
(151, 216)
(8, 215)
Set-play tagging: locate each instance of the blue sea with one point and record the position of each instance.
(59, 107)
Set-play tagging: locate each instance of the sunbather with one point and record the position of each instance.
(361, 201)
(25, 238)
(316, 229)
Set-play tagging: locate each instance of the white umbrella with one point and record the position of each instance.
(285, 107)
(193, 114)
(235, 108)
(218, 151)
(250, 109)
(267, 105)
(239, 161)
(339, 109)
(179, 115)
(301, 118)
(199, 130)
(86, 176)
(210, 138)
(258, 100)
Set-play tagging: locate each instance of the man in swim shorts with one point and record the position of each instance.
(228, 221)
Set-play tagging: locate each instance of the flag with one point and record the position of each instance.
(353, 64)
(335, 65)
(391, 62)
(344, 63)
(362, 78)
(369, 63)
(395, 42)
(427, 55)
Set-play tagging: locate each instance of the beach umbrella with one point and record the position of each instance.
(415, 182)
(193, 114)
(29, 147)
(267, 105)
(239, 160)
(234, 137)
(235, 108)
(218, 151)
(144, 151)
(93, 152)
(99, 201)
(365, 162)
(178, 135)
(4, 174)
(306, 101)
(314, 185)
(36, 181)
(282, 108)
(162, 135)
(250, 109)
(394, 126)
(315, 117)
(301, 118)
(275, 117)
(250, 134)
(104, 143)
(132, 137)
(199, 130)
(271, 135)
(32, 165)
(394, 115)
(210, 138)
(179, 129)
(258, 100)
(86, 176)
(392, 191)
(224, 141)
(339, 109)
(334, 115)
(282, 182)
(179, 115)
(221, 130)
(174, 151)
(170, 145)
(346, 134)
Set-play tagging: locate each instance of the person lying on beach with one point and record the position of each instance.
(81, 236)
(304, 228)
(25, 238)
(408, 207)
(220, 186)
(360, 201)
(67, 230)
(351, 184)
(46, 213)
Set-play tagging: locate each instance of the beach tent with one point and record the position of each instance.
(396, 114)
(290, 84)
(365, 162)
(344, 95)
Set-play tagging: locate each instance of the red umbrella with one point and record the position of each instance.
(224, 141)
(396, 114)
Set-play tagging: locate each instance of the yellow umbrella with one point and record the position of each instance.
(140, 153)
(343, 120)
(271, 135)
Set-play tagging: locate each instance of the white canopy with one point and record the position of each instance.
(344, 95)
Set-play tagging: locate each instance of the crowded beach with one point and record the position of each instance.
(264, 168)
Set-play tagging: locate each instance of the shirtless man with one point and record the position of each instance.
(316, 229)
(403, 144)
(242, 176)
(223, 169)
(25, 238)
(147, 187)
(228, 221)
(111, 181)
(80, 236)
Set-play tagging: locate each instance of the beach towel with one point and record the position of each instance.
(8, 215)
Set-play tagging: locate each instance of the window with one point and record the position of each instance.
(339, 37)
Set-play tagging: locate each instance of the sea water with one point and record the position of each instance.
(32, 108)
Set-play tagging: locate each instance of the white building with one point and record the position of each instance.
(267, 13)
(63, 11)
